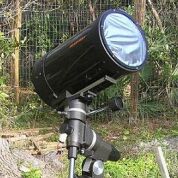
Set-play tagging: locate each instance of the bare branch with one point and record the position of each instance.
(155, 13)
(92, 10)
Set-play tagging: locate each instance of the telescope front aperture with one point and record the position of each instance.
(123, 39)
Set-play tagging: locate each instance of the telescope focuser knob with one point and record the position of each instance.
(115, 104)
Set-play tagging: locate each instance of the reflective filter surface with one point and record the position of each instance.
(124, 40)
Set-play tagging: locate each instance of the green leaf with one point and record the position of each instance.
(3, 95)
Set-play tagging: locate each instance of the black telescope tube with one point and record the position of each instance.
(77, 63)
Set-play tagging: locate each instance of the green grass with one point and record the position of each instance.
(122, 134)
(118, 132)
(33, 173)
(132, 165)
(143, 166)
(139, 166)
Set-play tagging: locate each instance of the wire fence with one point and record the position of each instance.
(45, 24)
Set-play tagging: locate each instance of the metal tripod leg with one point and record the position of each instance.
(71, 168)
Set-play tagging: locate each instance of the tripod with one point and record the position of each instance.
(81, 139)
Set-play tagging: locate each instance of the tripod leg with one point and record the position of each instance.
(72, 155)
(71, 167)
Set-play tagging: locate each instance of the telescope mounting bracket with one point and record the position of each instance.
(87, 92)
(96, 83)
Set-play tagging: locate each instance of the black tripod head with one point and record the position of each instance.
(81, 139)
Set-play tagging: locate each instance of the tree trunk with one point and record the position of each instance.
(139, 16)
(8, 165)
(14, 162)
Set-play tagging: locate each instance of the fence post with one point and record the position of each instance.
(161, 162)
(139, 16)
(16, 56)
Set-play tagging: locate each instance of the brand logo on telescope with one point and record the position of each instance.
(77, 42)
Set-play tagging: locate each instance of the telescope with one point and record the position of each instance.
(71, 75)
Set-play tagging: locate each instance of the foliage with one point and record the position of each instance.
(160, 59)
(159, 78)
(6, 46)
(141, 166)
(53, 138)
(6, 107)
(45, 31)
(158, 86)
(33, 173)
(29, 114)
(154, 109)
(32, 113)
(172, 161)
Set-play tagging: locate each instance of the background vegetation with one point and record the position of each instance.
(48, 23)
